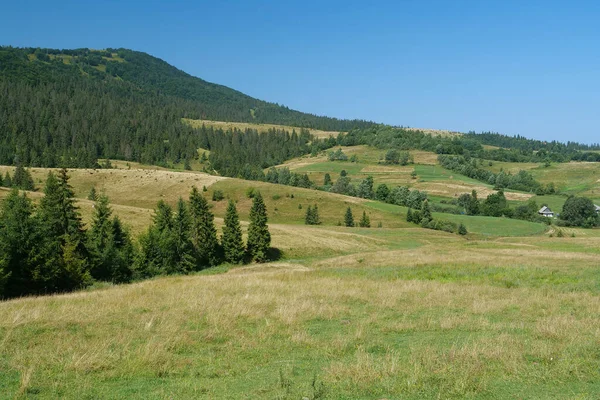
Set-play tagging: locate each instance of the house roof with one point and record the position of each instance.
(545, 210)
(597, 207)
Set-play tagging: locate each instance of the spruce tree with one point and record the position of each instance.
(183, 251)
(409, 215)
(92, 195)
(1, 180)
(349, 218)
(19, 234)
(120, 240)
(327, 180)
(109, 245)
(365, 221)
(233, 245)
(425, 211)
(316, 219)
(7, 180)
(308, 216)
(62, 253)
(462, 229)
(259, 238)
(99, 236)
(22, 179)
(203, 231)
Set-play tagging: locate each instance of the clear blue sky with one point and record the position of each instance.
(515, 67)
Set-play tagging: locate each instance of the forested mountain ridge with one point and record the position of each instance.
(153, 75)
(71, 107)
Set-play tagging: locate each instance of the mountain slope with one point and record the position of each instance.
(153, 75)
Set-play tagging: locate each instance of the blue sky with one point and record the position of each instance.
(514, 67)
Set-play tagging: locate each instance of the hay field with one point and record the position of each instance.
(259, 127)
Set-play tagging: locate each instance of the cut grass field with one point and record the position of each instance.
(347, 313)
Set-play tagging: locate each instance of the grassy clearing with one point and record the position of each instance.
(259, 127)
(487, 226)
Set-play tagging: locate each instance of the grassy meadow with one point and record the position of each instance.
(390, 312)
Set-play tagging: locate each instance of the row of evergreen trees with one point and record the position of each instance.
(46, 249)
(21, 179)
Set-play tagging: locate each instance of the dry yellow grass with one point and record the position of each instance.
(372, 313)
(259, 127)
(134, 187)
(232, 335)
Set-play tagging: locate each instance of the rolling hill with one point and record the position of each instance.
(393, 309)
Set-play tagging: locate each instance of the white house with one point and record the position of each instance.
(597, 209)
(546, 212)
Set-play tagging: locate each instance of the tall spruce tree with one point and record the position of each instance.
(349, 218)
(183, 251)
(157, 248)
(19, 234)
(62, 254)
(259, 237)
(203, 231)
(109, 245)
(232, 242)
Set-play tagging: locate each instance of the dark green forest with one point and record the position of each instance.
(47, 249)
(70, 107)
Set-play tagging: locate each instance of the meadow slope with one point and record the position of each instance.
(391, 312)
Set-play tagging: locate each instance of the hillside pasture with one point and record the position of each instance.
(435, 317)
(259, 127)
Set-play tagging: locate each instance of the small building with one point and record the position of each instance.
(546, 212)
(597, 209)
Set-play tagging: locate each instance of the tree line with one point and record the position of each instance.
(514, 149)
(523, 180)
(46, 249)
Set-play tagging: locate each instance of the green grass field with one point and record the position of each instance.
(347, 313)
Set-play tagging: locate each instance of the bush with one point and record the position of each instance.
(218, 195)
(250, 193)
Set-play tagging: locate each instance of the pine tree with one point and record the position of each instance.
(365, 221)
(109, 245)
(22, 179)
(183, 251)
(425, 211)
(93, 196)
(308, 216)
(163, 217)
(203, 231)
(62, 254)
(120, 240)
(316, 220)
(19, 233)
(259, 238)
(98, 238)
(7, 180)
(327, 180)
(233, 245)
(409, 215)
(349, 218)
(462, 229)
